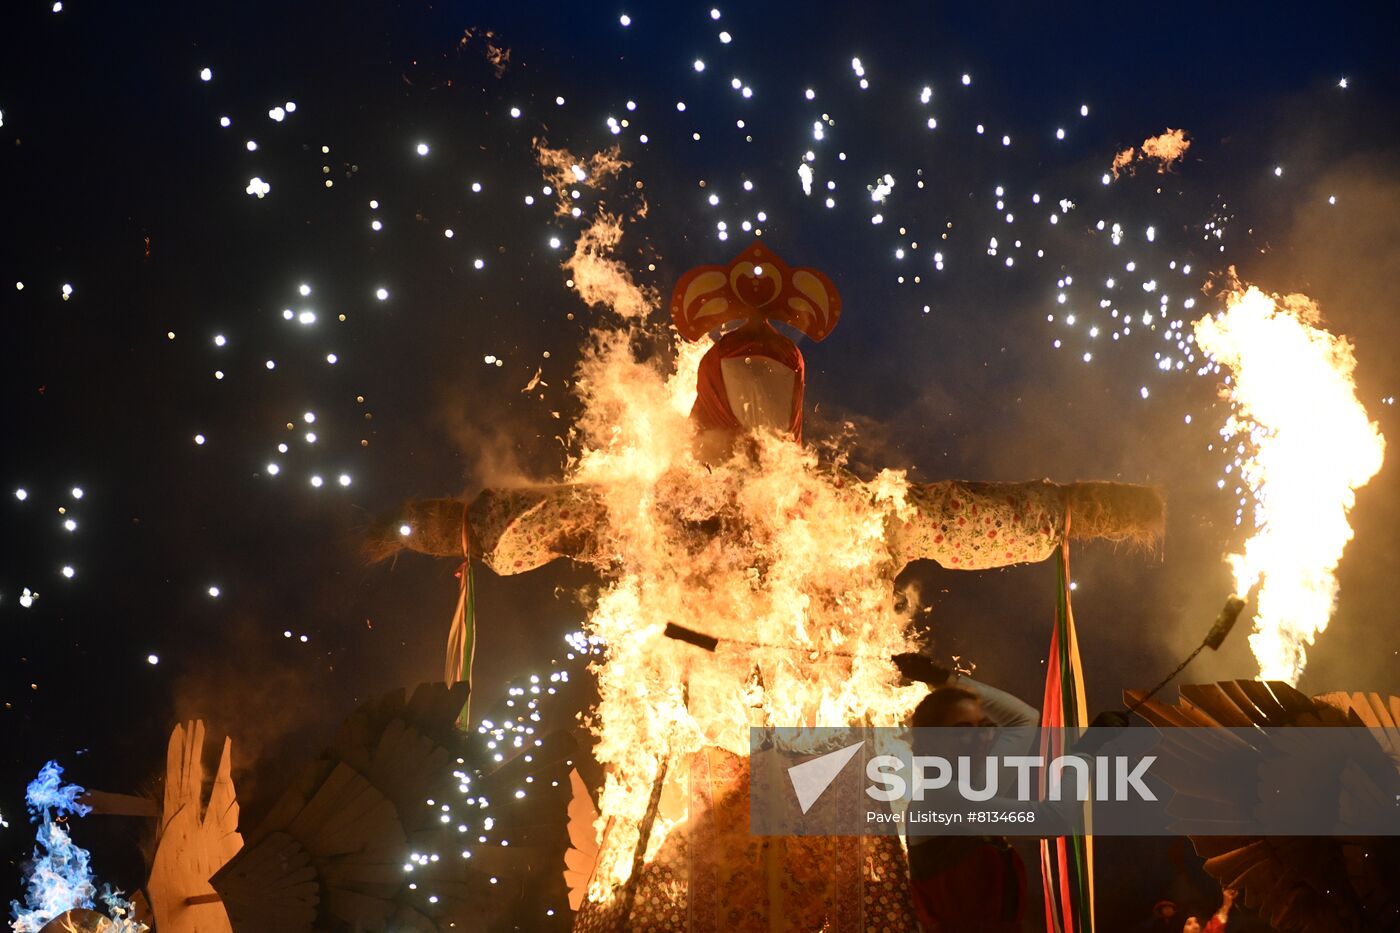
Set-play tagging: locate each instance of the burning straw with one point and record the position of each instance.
(428, 526)
(1117, 512)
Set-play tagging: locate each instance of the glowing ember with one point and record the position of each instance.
(563, 170)
(1306, 445)
(1165, 149)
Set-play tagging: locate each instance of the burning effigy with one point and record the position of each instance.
(693, 496)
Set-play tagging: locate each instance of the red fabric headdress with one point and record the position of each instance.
(754, 339)
(760, 287)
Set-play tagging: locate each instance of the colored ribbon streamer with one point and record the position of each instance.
(1066, 862)
(461, 637)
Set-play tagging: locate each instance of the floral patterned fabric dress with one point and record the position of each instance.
(713, 876)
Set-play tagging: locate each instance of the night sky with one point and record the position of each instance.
(119, 182)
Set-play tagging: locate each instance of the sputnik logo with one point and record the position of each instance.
(811, 778)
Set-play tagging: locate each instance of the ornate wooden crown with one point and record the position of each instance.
(757, 285)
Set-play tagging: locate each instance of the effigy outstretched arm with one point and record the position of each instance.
(975, 526)
(960, 524)
(509, 530)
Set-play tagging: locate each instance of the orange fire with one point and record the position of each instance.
(1305, 444)
(1166, 149)
(790, 570)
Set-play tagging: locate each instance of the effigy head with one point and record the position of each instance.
(752, 377)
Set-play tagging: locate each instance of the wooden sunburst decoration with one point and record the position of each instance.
(1300, 884)
(755, 284)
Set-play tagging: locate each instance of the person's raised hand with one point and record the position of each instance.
(921, 668)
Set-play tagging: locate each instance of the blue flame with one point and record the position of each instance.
(60, 875)
(48, 792)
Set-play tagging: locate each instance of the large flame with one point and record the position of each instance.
(1305, 445)
(780, 556)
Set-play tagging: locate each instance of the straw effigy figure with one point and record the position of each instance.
(715, 515)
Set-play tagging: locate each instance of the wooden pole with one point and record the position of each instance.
(120, 804)
(629, 892)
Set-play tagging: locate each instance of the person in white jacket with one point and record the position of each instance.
(969, 883)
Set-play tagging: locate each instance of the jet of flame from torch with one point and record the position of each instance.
(1305, 444)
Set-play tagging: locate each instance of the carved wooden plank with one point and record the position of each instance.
(1213, 699)
(270, 887)
(195, 840)
(120, 804)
